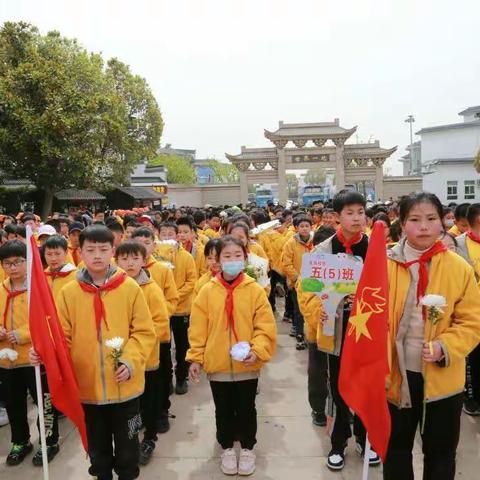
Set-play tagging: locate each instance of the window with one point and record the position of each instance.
(469, 189)
(452, 190)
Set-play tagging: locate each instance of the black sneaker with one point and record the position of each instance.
(319, 419)
(336, 459)
(293, 331)
(163, 423)
(181, 388)
(52, 451)
(373, 459)
(146, 449)
(18, 453)
(301, 344)
(471, 407)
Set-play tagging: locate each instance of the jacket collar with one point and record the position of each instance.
(84, 276)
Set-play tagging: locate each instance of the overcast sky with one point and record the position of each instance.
(223, 70)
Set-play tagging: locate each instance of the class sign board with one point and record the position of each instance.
(331, 277)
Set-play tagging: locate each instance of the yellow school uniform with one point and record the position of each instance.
(128, 317)
(2, 274)
(455, 231)
(185, 275)
(311, 308)
(211, 340)
(16, 321)
(211, 233)
(57, 283)
(203, 280)
(292, 254)
(198, 253)
(257, 249)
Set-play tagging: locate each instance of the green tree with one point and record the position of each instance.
(179, 169)
(224, 172)
(476, 162)
(292, 185)
(315, 176)
(66, 120)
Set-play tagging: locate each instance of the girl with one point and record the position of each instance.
(241, 231)
(232, 308)
(428, 345)
(211, 259)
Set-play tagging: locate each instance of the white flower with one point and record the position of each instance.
(171, 242)
(115, 343)
(432, 300)
(239, 351)
(8, 353)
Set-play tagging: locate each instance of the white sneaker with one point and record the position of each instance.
(246, 463)
(373, 459)
(229, 462)
(3, 417)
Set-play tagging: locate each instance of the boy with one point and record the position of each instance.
(349, 208)
(117, 230)
(18, 376)
(461, 221)
(185, 275)
(317, 218)
(59, 271)
(130, 228)
(131, 257)
(74, 241)
(292, 254)
(328, 218)
(468, 246)
(103, 303)
(212, 230)
(187, 238)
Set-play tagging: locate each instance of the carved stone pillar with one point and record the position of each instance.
(243, 188)
(282, 181)
(339, 163)
(378, 179)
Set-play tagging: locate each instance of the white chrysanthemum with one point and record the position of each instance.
(171, 242)
(432, 300)
(8, 353)
(240, 351)
(115, 343)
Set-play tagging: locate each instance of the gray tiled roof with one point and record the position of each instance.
(73, 194)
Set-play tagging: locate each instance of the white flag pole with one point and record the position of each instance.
(38, 373)
(366, 460)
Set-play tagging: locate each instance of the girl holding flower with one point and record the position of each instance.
(434, 322)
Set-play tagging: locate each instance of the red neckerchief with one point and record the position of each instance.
(97, 299)
(473, 236)
(148, 265)
(10, 295)
(438, 247)
(230, 287)
(308, 244)
(74, 252)
(188, 245)
(347, 244)
(57, 274)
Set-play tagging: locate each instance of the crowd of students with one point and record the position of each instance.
(191, 276)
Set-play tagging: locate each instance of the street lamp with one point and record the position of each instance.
(410, 120)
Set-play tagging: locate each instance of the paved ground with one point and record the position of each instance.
(289, 446)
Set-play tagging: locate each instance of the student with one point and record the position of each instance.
(109, 393)
(292, 255)
(349, 207)
(311, 307)
(131, 257)
(427, 365)
(448, 217)
(213, 265)
(74, 241)
(11, 231)
(328, 218)
(229, 309)
(185, 275)
(130, 228)
(317, 218)
(118, 232)
(59, 272)
(64, 224)
(241, 231)
(461, 221)
(44, 232)
(213, 225)
(188, 239)
(18, 376)
(469, 248)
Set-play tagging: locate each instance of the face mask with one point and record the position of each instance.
(449, 223)
(233, 268)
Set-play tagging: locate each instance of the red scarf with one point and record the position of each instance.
(57, 274)
(230, 287)
(97, 299)
(438, 247)
(74, 252)
(473, 236)
(308, 244)
(347, 244)
(188, 245)
(10, 295)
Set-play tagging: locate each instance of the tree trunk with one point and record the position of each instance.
(47, 203)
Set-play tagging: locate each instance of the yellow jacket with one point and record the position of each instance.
(311, 308)
(203, 280)
(455, 231)
(277, 242)
(292, 254)
(161, 321)
(17, 321)
(198, 253)
(57, 283)
(163, 277)
(470, 251)
(211, 233)
(211, 340)
(128, 317)
(2, 274)
(185, 275)
(257, 249)
(458, 330)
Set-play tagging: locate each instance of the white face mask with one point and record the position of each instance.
(449, 223)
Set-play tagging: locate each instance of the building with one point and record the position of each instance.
(412, 161)
(447, 157)
(180, 152)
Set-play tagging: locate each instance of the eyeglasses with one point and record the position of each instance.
(15, 264)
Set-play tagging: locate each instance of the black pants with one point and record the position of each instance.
(341, 425)
(165, 377)
(118, 424)
(288, 303)
(439, 438)
(235, 412)
(317, 378)
(179, 325)
(275, 279)
(472, 385)
(298, 321)
(150, 404)
(17, 383)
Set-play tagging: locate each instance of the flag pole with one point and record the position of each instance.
(38, 373)
(366, 460)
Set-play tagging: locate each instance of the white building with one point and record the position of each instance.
(447, 156)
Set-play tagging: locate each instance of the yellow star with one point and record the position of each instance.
(359, 323)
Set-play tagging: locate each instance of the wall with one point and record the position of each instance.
(200, 195)
(395, 187)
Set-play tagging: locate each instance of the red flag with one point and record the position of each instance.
(49, 342)
(364, 362)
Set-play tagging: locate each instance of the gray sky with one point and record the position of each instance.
(223, 70)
